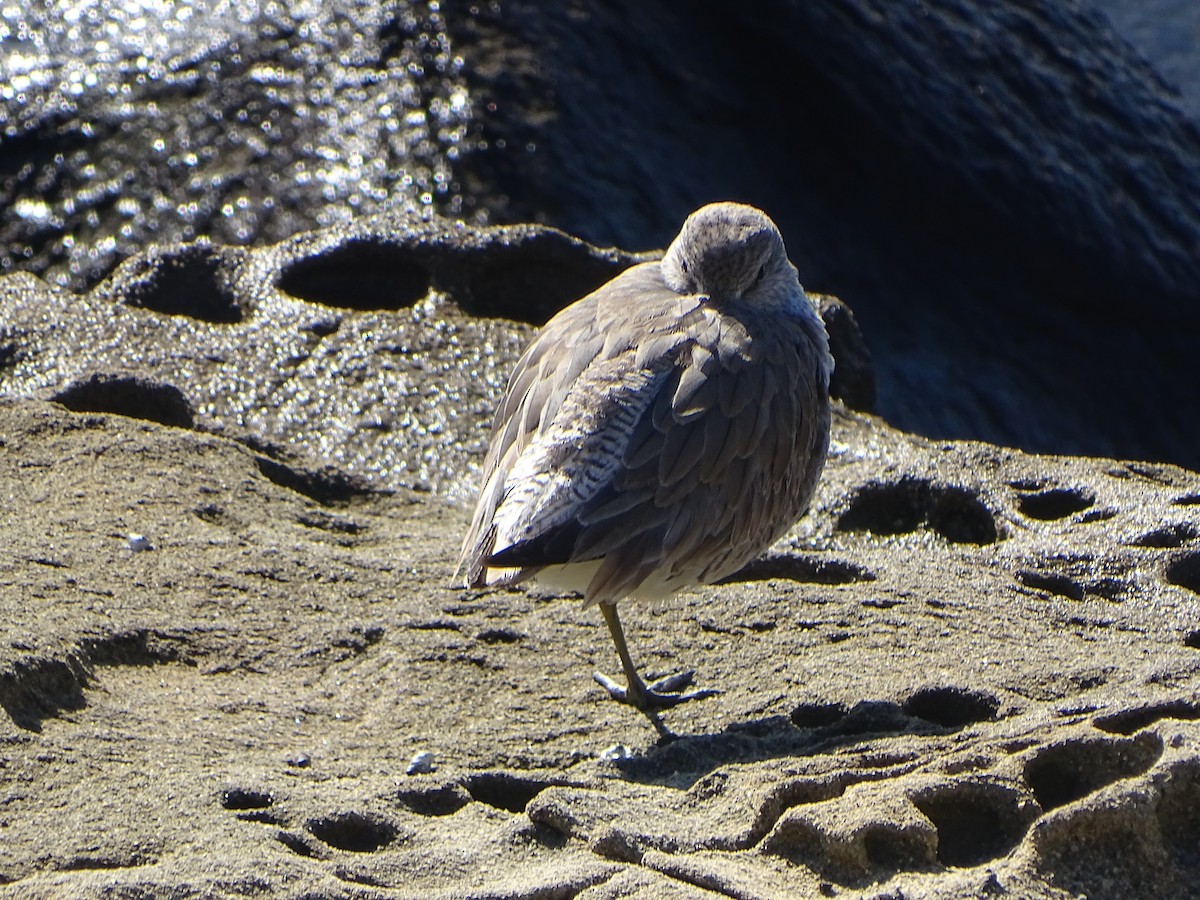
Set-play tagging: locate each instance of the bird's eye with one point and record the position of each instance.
(683, 265)
(762, 273)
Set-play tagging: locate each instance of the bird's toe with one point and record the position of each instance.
(664, 693)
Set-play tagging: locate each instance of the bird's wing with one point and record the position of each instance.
(599, 326)
(642, 443)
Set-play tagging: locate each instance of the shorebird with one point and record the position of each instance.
(659, 433)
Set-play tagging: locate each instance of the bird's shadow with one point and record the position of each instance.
(809, 730)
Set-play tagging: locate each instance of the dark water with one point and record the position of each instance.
(1167, 33)
(123, 123)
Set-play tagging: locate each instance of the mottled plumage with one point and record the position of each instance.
(662, 431)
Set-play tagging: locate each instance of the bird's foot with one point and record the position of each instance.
(664, 693)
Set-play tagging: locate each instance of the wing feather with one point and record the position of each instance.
(683, 448)
(720, 445)
(544, 376)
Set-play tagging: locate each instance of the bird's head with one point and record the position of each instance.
(731, 253)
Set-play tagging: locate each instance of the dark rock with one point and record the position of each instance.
(393, 333)
(853, 377)
(128, 395)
